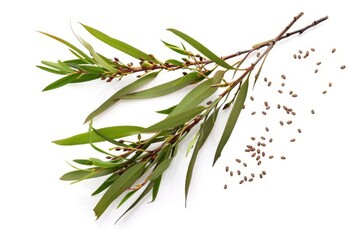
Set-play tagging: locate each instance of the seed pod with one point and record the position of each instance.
(210, 102)
(283, 76)
(270, 157)
(108, 157)
(243, 107)
(285, 108)
(117, 149)
(238, 160)
(292, 140)
(270, 140)
(299, 130)
(241, 181)
(225, 186)
(248, 146)
(251, 98)
(238, 172)
(226, 168)
(312, 111)
(283, 158)
(324, 92)
(316, 70)
(266, 129)
(263, 173)
(343, 67)
(333, 50)
(253, 138)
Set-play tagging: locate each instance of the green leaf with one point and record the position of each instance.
(175, 120)
(58, 66)
(175, 62)
(161, 166)
(106, 184)
(192, 143)
(204, 134)
(92, 69)
(258, 73)
(165, 88)
(112, 132)
(84, 77)
(198, 94)
(52, 70)
(61, 82)
(99, 59)
(103, 164)
(166, 111)
(156, 187)
(175, 48)
(122, 92)
(83, 162)
(124, 47)
(80, 174)
(201, 48)
(142, 195)
(234, 114)
(126, 180)
(77, 50)
(127, 197)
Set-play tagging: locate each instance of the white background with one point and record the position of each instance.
(314, 194)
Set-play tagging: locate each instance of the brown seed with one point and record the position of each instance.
(249, 146)
(292, 140)
(245, 165)
(280, 91)
(258, 151)
(253, 113)
(312, 49)
(268, 107)
(258, 54)
(278, 106)
(253, 138)
(343, 67)
(253, 175)
(258, 158)
(259, 163)
(263, 173)
(245, 178)
(247, 150)
(263, 138)
(238, 160)
(318, 63)
(283, 158)
(333, 50)
(225, 186)
(285, 108)
(289, 122)
(293, 113)
(269, 83)
(263, 154)
(281, 123)
(266, 103)
(259, 143)
(231, 173)
(312, 111)
(263, 144)
(270, 140)
(227, 168)
(117, 149)
(108, 157)
(253, 155)
(238, 172)
(251, 98)
(324, 92)
(264, 113)
(210, 102)
(299, 130)
(300, 51)
(251, 179)
(241, 181)
(316, 70)
(260, 175)
(294, 95)
(270, 157)
(282, 84)
(265, 79)
(307, 53)
(330, 84)
(266, 129)
(283, 76)
(294, 56)
(299, 56)
(291, 92)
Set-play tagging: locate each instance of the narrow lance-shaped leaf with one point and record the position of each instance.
(176, 120)
(175, 48)
(112, 132)
(204, 134)
(155, 190)
(201, 48)
(198, 94)
(52, 70)
(115, 43)
(126, 197)
(103, 164)
(126, 180)
(122, 92)
(234, 114)
(78, 174)
(259, 71)
(61, 82)
(167, 110)
(106, 184)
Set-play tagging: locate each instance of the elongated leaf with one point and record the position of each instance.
(69, 45)
(106, 138)
(201, 48)
(103, 164)
(175, 48)
(79, 174)
(52, 70)
(112, 132)
(92, 69)
(198, 94)
(106, 184)
(160, 169)
(234, 114)
(192, 143)
(61, 82)
(166, 111)
(156, 187)
(126, 180)
(175, 120)
(57, 66)
(83, 162)
(127, 197)
(259, 71)
(165, 88)
(142, 195)
(84, 77)
(124, 47)
(99, 59)
(175, 62)
(204, 134)
(122, 92)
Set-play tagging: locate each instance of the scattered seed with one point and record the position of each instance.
(270, 140)
(225, 186)
(265, 79)
(271, 157)
(259, 143)
(289, 122)
(281, 123)
(283, 158)
(283, 76)
(299, 56)
(294, 56)
(333, 50)
(324, 92)
(299, 130)
(263, 138)
(343, 67)
(241, 181)
(263, 154)
(210, 102)
(312, 49)
(245, 165)
(318, 63)
(258, 151)
(259, 163)
(253, 138)
(291, 92)
(227, 168)
(316, 70)
(282, 84)
(249, 146)
(238, 160)
(238, 172)
(280, 91)
(253, 113)
(300, 51)
(231, 173)
(269, 83)
(251, 98)
(263, 173)
(263, 144)
(285, 108)
(253, 175)
(251, 179)
(268, 107)
(266, 129)
(330, 84)
(258, 54)
(292, 140)
(294, 95)
(278, 106)
(258, 158)
(260, 175)
(108, 157)
(266, 103)
(247, 150)
(293, 113)
(264, 113)
(245, 178)
(253, 155)
(312, 111)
